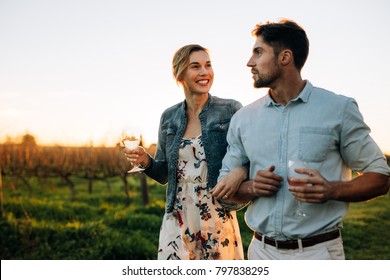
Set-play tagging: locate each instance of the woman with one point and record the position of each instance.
(190, 149)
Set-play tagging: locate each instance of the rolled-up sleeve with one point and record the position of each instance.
(359, 151)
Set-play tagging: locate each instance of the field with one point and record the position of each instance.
(48, 222)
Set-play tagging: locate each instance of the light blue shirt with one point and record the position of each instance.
(319, 127)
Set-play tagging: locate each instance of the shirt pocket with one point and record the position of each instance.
(170, 138)
(314, 143)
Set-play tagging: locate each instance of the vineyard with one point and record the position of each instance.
(80, 203)
(75, 203)
(26, 160)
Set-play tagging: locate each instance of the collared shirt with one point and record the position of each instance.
(321, 128)
(214, 119)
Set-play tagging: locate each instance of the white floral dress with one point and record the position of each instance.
(198, 228)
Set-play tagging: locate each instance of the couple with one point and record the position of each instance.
(216, 163)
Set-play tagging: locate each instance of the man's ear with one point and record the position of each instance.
(286, 57)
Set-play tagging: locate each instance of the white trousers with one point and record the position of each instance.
(329, 250)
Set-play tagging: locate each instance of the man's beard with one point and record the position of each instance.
(267, 80)
(261, 83)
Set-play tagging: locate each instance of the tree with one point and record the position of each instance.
(28, 140)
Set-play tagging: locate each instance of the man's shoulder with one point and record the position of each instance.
(329, 99)
(262, 101)
(328, 94)
(247, 112)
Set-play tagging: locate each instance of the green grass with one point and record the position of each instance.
(366, 230)
(46, 224)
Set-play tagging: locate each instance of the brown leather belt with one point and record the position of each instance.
(306, 242)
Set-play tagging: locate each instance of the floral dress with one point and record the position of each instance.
(198, 228)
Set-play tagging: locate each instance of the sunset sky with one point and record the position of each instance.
(76, 71)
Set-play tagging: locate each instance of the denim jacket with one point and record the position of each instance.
(214, 118)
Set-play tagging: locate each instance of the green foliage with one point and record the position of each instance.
(46, 224)
(98, 225)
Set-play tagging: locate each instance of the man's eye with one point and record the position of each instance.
(257, 51)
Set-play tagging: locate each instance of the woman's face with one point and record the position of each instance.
(199, 74)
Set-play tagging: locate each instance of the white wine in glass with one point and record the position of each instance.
(292, 165)
(132, 141)
(131, 144)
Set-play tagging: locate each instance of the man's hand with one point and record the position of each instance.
(266, 182)
(314, 188)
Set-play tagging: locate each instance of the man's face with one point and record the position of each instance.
(264, 65)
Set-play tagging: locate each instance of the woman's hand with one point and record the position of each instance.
(137, 156)
(230, 183)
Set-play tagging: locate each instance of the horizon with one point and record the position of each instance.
(19, 141)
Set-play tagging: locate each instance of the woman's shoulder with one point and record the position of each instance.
(225, 101)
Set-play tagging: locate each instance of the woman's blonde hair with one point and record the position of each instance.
(181, 59)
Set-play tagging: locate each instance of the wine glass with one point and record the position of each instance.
(131, 140)
(291, 173)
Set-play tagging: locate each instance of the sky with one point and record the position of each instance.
(76, 72)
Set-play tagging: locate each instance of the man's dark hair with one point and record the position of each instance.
(285, 34)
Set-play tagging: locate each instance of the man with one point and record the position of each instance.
(296, 120)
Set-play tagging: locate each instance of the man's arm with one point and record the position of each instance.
(317, 189)
(265, 183)
(364, 187)
(244, 193)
